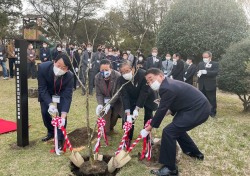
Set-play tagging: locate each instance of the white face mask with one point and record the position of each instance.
(140, 59)
(154, 54)
(128, 76)
(175, 60)
(59, 49)
(155, 85)
(168, 58)
(31, 47)
(206, 60)
(45, 46)
(128, 52)
(89, 49)
(58, 71)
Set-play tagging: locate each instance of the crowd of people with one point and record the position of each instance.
(148, 83)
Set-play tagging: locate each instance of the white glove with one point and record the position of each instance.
(98, 110)
(204, 72)
(62, 122)
(171, 77)
(135, 113)
(129, 119)
(185, 79)
(199, 73)
(52, 109)
(76, 69)
(144, 133)
(107, 108)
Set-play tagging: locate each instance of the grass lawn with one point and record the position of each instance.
(225, 141)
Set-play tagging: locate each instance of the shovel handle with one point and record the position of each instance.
(134, 143)
(66, 138)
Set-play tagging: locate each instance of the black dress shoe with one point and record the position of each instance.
(198, 156)
(164, 171)
(47, 138)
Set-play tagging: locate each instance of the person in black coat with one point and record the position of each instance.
(154, 61)
(76, 64)
(207, 72)
(178, 67)
(45, 53)
(136, 94)
(55, 87)
(189, 71)
(189, 107)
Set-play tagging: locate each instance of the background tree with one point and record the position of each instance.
(63, 16)
(193, 26)
(234, 74)
(9, 13)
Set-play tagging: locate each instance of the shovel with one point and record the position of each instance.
(75, 157)
(122, 158)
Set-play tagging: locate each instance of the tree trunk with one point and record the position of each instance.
(246, 105)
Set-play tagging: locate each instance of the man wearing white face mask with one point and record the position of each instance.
(31, 61)
(131, 57)
(207, 72)
(136, 94)
(178, 67)
(167, 65)
(141, 62)
(55, 87)
(154, 61)
(189, 107)
(106, 87)
(45, 53)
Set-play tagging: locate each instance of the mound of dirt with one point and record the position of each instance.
(79, 137)
(99, 168)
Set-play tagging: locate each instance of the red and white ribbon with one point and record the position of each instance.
(56, 122)
(126, 127)
(67, 143)
(134, 143)
(147, 146)
(101, 132)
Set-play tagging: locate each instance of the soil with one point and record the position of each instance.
(79, 137)
(155, 154)
(99, 168)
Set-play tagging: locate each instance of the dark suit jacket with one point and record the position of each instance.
(208, 81)
(137, 94)
(189, 73)
(188, 105)
(151, 64)
(45, 53)
(46, 87)
(177, 71)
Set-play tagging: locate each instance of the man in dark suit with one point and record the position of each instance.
(88, 61)
(154, 61)
(207, 72)
(136, 94)
(189, 71)
(55, 87)
(189, 107)
(178, 67)
(45, 53)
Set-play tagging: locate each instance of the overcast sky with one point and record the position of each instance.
(108, 5)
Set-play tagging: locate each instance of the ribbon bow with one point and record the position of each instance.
(147, 145)
(56, 121)
(101, 132)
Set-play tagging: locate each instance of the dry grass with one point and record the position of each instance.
(225, 141)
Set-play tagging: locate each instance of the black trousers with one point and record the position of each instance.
(170, 135)
(11, 66)
(47, 121)
(31, 69)
(148, 114)
(211, 96)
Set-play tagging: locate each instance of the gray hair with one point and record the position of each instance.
(209, 53)
(125, 63)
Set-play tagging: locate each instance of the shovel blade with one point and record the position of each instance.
(76, 159)
(124, 161)
(111, 165)
(98, 157)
